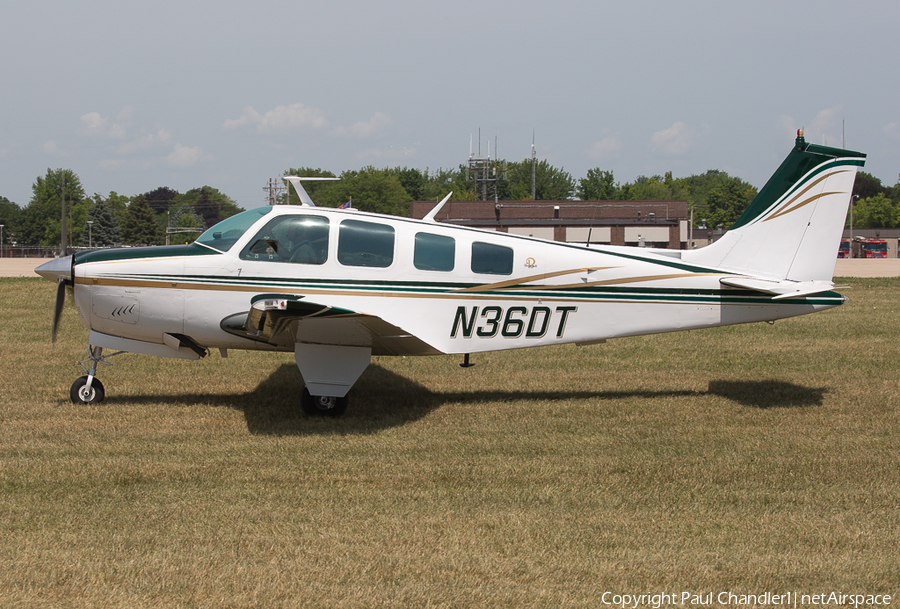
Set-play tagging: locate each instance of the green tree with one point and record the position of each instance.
(10, 216)
(413, 181)
(725, 204)
(874, 212)
(700, 186)
(160, 199)
(598, 185)
(207, 203)
(117, 204)
(104, 229)
(895, 193)
(40, 221)
(444, 181)
(375, 190)
(141, 226)
(551, 184)
(313, 188)
(655, 188)
(867, 186)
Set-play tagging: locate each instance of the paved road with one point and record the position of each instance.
(888, 267)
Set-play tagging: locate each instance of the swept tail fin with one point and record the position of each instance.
(792, 229)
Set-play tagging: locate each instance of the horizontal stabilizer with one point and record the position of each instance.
(779, 289)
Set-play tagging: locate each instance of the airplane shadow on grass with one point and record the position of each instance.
(382, 399)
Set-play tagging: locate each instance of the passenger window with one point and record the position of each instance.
(491, 259)
(434, 252)
(298, 239)
(365, 244)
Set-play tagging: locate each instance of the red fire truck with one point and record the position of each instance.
(844, 250)
(872, 248)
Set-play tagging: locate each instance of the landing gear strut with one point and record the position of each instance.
(88, 389)
(322, 406)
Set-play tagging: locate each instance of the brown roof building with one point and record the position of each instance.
(648, 223)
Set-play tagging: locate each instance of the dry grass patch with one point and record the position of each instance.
(749, 458)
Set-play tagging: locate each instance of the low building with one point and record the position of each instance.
(662, 224)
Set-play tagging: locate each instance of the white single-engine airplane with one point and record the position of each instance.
(338, 286)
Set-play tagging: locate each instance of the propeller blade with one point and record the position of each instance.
(60, 301)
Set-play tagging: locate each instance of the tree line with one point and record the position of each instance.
(717, 198)
(114, 219)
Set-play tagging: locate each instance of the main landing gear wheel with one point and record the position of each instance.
(322, 406)
(82, 394)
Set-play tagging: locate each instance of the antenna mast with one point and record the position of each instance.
(533, 166)
(481, 171)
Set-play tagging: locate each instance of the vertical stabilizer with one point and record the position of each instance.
(792, 229)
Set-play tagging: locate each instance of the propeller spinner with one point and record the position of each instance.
(59, 269)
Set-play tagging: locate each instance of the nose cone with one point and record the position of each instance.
(56, 269)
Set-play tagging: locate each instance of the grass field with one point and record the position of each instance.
(749, 459)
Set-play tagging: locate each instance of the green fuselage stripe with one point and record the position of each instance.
(445, 290)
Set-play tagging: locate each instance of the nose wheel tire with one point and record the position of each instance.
(322, 406)
(80, 393)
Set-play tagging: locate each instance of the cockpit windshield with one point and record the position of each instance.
(224, 234)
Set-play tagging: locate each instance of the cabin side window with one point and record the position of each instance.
(297, 239)
(434, 252)
(227, 232)
(491, 259)
(365, 244)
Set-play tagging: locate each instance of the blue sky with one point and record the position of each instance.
(137, 95)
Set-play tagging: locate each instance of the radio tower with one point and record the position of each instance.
(273, 189)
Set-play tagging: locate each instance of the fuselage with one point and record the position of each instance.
(436, 288)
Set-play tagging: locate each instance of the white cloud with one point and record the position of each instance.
(365, 129)
(52, 148)
(385, 155)
(825, 121)
(825, 128)
(184, 156)
(281, 118)
(787, 124)
(95, 125)
(111, 163)
(159, 136)
(605, 148)
(674, 141)
(892, 130)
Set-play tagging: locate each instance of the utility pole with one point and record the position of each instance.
(62, 225)
(273, 189)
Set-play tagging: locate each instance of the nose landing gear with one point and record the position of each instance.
(88, 389)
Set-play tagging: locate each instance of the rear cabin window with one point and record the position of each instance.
(298, 239)
(491, 259)
(365, 244)
(434, 252)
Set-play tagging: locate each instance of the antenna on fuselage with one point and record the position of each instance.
(298, 187)
(430, 216)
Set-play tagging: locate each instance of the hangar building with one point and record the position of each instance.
(662, 224)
